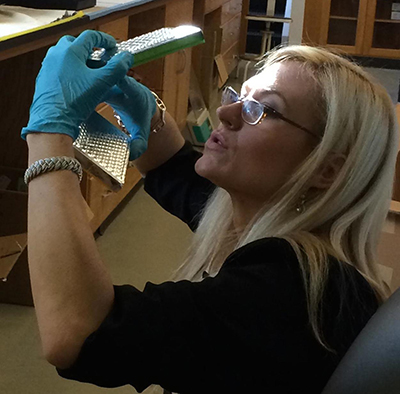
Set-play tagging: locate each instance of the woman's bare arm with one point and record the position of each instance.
(72, 289)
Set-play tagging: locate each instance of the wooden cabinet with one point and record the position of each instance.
(103, 201)
(357, 27)
(396, 187)
(177, 66)
(382, 33)
(343, 24)
(212, 5)
(169, 77)
(119, 29)
(230, 57)
(230, 33)
(221, 22)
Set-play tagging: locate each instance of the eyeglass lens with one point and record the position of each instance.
(252, 111)
(229, 96)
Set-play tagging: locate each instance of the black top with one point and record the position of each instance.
(244, 331)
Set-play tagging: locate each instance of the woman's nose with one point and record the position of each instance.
(231, 115)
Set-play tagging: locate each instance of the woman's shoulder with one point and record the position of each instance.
(271, 266)
(277, 255)
(265, 252)
(275, 250)
(271, 245)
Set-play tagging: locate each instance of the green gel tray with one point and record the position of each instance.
(151, 46)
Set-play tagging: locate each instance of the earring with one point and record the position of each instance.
(301, 205)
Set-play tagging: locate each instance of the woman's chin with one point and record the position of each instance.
(200, 167)
(206, 168)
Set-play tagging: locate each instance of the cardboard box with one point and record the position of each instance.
(396, 6)
(15, 285)
(200, 127)
(389, 248)
(395, 15)
(222, 72)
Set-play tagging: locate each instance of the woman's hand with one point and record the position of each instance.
(136, 106)
(67, 90)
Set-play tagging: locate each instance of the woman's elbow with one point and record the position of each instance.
(62, 352)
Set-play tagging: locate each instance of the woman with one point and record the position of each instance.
(287, 202)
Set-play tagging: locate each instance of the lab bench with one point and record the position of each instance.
(169, 77)
(20, 61)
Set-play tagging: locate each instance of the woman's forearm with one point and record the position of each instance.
(71, 287)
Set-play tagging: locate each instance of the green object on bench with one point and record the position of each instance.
(153, 45)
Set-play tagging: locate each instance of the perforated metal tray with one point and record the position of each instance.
(102, 149)
(153, 45)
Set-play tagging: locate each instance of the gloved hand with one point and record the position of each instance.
(67, 90)
(136, 106)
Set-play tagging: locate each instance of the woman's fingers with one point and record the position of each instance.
(117, 67)
(90, 39)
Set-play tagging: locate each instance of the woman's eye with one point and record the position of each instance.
(271, 111)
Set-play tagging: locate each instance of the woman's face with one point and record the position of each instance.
(255, 161)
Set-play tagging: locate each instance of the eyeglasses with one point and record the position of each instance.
(253, 112)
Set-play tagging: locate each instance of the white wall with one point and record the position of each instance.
(294, 30)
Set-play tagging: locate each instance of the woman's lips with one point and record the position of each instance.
(216, 142)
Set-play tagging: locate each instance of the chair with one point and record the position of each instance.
(372, 364)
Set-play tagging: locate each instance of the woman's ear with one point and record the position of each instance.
(328, 171)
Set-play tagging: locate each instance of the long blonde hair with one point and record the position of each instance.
(345, 220)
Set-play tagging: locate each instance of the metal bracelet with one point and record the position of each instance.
(159, 124)
(121, 124)
(162, 107)
(50, 164)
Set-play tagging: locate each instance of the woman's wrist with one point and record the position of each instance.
(44, 145)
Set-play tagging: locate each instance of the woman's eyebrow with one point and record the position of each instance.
(273, 91)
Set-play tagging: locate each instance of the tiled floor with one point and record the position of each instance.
(390, 79)
(143, 243)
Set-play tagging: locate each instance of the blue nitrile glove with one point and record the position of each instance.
(67, 90)
(136, 106)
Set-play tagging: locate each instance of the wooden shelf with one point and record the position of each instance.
(395, 207)
(376, 35)
(266, 18)
(387, 20)
(343, 18)
(20, 62)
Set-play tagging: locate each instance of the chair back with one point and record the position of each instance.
(372, 364)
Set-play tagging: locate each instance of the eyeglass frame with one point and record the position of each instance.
(266, 109)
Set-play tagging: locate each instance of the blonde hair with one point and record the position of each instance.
(345, 220)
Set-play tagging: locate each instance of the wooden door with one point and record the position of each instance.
(343, 24)
(382, 30)
(177, 66)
